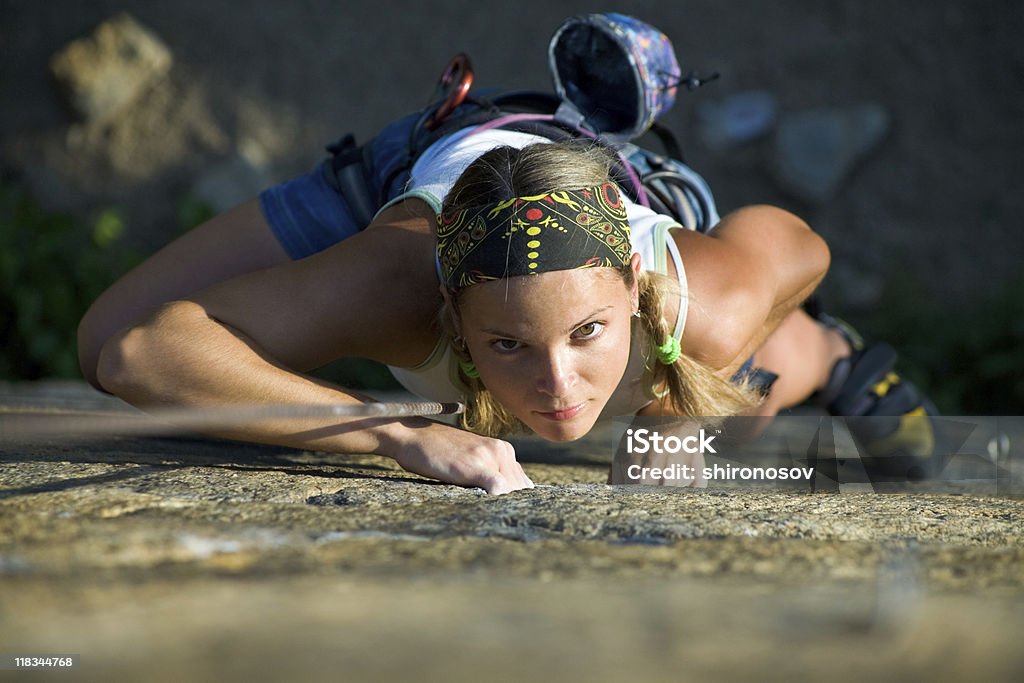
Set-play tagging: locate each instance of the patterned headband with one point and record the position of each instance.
(562, 230)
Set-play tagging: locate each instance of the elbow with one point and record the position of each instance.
(819, 256)
(131, 362)
(815, 255)
(89, 348)
(802, 244)
(117, 367)
(91, 338)
(803, 258)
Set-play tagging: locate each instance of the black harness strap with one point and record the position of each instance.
(349, 163)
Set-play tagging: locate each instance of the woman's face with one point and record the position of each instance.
(551, 347)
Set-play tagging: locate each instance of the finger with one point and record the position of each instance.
(514, 469)
(511, 478)
(519, 479)
(502, 485)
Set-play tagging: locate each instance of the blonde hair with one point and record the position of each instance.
(689, 387)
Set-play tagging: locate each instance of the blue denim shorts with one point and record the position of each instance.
(307, 214)
(760, 379)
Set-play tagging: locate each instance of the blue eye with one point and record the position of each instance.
(589, 331)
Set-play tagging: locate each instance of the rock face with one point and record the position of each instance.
(191, 559)
(101, 74)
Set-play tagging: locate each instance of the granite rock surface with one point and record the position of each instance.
(193, 559)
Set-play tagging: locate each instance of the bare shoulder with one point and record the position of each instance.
(374, 295)
(733, 277)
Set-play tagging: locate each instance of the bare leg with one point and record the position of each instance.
(801, 352)
(235, 242)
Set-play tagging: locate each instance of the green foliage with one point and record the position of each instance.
(192, 211)
(967, 357)
(52, 266)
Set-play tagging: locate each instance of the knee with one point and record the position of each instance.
(124, 361)
(138, 362)
(99, 332)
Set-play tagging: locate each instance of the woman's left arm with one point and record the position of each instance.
(744, 278)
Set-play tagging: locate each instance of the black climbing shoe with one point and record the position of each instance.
(889, 417)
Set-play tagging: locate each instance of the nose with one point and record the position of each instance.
(556, 374)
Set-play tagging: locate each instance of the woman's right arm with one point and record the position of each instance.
(246, 341)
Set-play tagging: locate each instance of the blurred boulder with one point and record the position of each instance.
(235, 179)
(737, 119)
(814, 151)
(102, 73)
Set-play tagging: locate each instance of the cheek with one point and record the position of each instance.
(604, 363)
(498, 374)
(617, 359)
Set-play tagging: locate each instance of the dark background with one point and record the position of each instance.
(925, 232)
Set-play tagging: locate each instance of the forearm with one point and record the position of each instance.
(183, 358)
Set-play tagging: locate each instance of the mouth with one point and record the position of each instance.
(562, 415)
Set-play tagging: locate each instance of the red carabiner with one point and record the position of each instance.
(454, 84)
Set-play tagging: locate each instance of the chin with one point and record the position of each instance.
(571, 430)
(561, 436)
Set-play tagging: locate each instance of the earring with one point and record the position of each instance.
(636, 313)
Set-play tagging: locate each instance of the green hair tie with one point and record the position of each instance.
(469, 369)
(669, 352)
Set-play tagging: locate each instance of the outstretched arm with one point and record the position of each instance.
(241, 342)
(232, 243)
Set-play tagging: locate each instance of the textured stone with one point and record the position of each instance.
(101, 74)
(188, 558)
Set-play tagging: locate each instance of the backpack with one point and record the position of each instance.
(636, 68)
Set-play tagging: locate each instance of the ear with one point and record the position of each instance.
(449, 304)
(634, 263)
